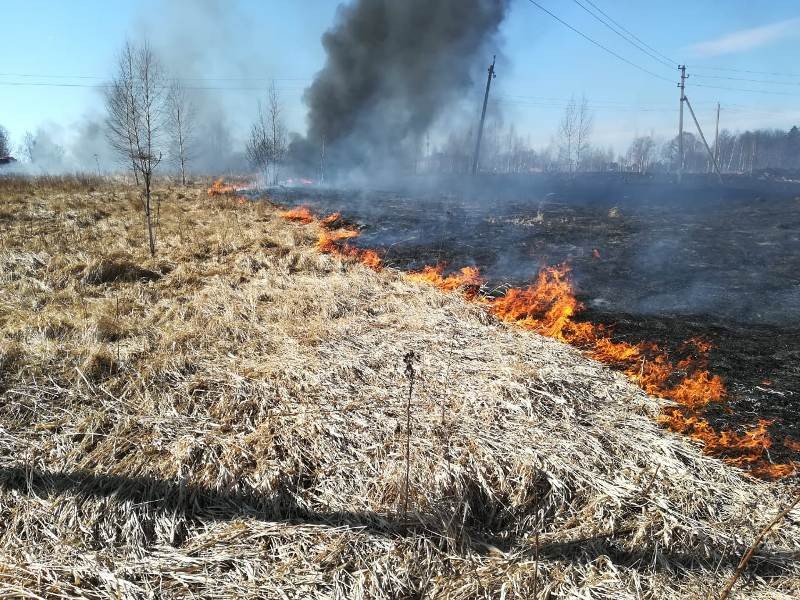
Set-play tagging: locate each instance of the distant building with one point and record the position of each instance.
(7, 160)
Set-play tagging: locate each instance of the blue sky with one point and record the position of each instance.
(73, 44)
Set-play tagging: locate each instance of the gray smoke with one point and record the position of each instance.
(392, 68)
(205, 43)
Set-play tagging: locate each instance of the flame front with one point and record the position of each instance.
(468, 279)
(220, 188)
(549, 306)
(301, 214)
(332, 241)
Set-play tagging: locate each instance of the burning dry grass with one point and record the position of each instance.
(549, 307)
(234, 426)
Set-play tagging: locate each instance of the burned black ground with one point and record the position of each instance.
(654, 260)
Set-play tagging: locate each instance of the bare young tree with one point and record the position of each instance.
(641, 153)
(135, 104)
(121, 107)
(266, 146)
(180, 126)
(277, 132)
(258, 148)
(567, 135)
(5, 146)
(583, 130)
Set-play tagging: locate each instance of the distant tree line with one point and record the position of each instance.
(570, 150)
(503, 150)
(152, 121)
(738, 152)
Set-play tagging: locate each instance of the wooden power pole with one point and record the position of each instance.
(711, 155)
(682, 86)
(322, 163)
(476, 156)
(716, 138)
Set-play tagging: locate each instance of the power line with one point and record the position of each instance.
(772, 73)
(544, 102)
(670, 62)
(598, 44)
(97, 77)
(624, 37)
(733, 89)
(767, 81)
(108, 85)
(594, 108)
(555, 99)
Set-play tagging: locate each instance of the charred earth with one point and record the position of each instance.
(653, 260)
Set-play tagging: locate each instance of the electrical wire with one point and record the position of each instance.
(108, 85)
(40, 76)
(670, 62)
(733, 89)
(772, 73)
(766, 81)
(624, 37)
(598, 44)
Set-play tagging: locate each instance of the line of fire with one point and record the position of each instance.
(400, 299)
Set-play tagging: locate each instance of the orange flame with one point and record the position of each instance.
(301, 214)
(549, 306)
(331, 219)
(219, 188)
(328, 239)
(546, 306)
(329, 243)
(467, 279)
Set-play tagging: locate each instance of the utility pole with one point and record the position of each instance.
(711, 155)
(428, 144)
(483, 117)
(322, 163)
(682, 86)
(716, 139)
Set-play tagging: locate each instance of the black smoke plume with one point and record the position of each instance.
(392, 67)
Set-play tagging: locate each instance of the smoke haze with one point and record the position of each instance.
(392, 68)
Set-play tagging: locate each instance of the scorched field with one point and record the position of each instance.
(267, 409)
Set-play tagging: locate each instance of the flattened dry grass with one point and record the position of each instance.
(228, 420)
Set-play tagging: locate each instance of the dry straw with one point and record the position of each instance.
(223, 421)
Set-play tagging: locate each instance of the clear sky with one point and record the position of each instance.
(54, 51)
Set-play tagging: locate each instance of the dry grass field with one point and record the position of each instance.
(229, 420)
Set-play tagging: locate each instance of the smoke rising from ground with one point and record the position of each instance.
(392, 68)
(194, 40)
(198, 41)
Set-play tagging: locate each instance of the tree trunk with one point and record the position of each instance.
(149, 216)
(182, 151)
(135, 172)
